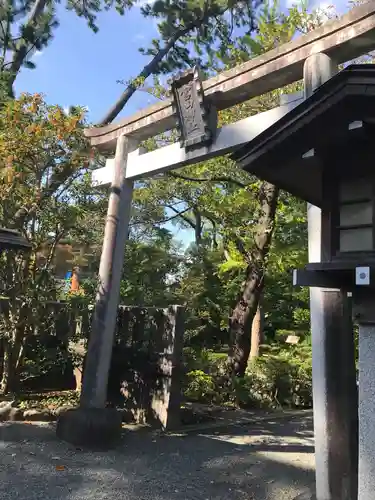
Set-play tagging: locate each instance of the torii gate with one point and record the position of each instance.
(312, 54)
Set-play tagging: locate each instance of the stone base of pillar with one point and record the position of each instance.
(306, 496)
(93, 428)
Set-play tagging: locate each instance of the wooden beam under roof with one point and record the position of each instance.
(13, 240)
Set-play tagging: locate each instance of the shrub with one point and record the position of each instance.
(281, 377)
(200, 387)
(205, 360)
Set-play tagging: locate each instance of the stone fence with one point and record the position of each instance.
(144, 379)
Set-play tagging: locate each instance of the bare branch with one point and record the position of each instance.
(184, 217)
(210, 179)
(163, 221)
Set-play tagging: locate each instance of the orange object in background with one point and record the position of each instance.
(74, 287)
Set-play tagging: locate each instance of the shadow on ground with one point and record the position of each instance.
(267, 460)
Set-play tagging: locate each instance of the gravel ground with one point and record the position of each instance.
(268, 460)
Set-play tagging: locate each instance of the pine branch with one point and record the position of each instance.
(6, 36)
(152, 66)
(19, 55)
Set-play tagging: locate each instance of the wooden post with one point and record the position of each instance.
(93, 424)
(333, 364)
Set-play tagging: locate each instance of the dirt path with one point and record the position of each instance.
(271, 459)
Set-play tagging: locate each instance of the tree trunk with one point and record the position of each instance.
(246, 307)
(242, 318)
(1, 356)
(257, 337)
(198, 227)
(12, 357)
(8, 369)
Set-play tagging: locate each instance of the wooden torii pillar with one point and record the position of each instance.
(335, 399)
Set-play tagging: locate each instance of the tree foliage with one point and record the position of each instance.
(45, 194)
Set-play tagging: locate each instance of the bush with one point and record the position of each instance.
(200, 387)
(282, 377)
(284, 380)
(205, 360)
(52, 400)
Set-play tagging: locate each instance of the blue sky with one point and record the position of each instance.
(82, 68)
